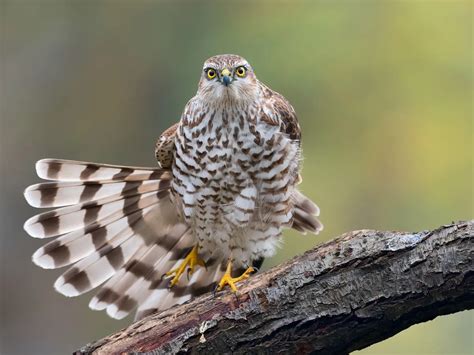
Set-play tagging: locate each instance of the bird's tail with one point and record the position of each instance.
(115, 225)
(305, 214)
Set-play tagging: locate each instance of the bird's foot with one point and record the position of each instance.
(189, 263)
(227, 279)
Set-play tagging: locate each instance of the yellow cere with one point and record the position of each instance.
(225, 72)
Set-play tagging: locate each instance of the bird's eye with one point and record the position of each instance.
(211, 74)
(241, 71)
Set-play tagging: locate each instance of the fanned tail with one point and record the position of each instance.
(116, 225)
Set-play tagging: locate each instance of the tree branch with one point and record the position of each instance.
(347, 294)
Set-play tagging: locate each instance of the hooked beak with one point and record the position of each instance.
(226, 77)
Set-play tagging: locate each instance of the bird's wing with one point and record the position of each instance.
(279, 112)
(164, 148)
(287, 117)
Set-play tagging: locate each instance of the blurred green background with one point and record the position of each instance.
(383, 90)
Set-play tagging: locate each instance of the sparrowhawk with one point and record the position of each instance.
(215, 207)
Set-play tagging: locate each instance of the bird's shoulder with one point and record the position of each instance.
(277, 110)
(194, 112)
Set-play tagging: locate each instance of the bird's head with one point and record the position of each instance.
(227, 77)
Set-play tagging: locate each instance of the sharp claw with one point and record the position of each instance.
(214, 292)
(188, 264)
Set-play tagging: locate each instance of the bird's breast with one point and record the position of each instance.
(230, 165)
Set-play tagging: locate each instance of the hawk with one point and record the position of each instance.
(215, 207)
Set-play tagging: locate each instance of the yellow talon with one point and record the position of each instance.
(227, 279)
(191, 260)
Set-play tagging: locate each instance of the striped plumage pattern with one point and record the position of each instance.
(226, 183)
(114, 223)
(236, 166)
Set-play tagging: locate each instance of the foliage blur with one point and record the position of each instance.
(383, 90)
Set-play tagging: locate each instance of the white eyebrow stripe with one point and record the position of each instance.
(217, 66)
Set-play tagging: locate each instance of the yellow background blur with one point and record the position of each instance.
(383, 90)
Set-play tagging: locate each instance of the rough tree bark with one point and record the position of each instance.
(347, 294)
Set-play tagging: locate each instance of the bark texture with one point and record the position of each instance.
(347, 294)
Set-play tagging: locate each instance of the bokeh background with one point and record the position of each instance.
(383, 90)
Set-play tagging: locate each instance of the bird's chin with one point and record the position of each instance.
(225, 93)
(220, 94)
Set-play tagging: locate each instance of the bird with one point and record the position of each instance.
(204, 219)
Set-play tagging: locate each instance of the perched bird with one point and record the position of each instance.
(213, 209)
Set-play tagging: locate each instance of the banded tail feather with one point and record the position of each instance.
(71, 170)
(143, 275)
(59, 194)
(117, 226)
(74, 246)
(111, 217)
(68, 219)
(107, 294)
(305, 214)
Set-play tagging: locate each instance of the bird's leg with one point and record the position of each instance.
(227, 279)
(190, 262)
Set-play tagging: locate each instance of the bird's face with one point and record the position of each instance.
(227, 77)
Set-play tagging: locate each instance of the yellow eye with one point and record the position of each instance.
(241, 71)
(211, 73)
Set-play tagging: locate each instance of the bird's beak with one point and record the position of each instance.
(226, 76)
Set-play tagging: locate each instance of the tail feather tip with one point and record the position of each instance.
(41, 167)
(33, 229)
(114, 312)
(96, 305)
(43, 260)
(65, 289)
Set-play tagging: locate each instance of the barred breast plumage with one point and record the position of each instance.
(225, 189)
(234, 175)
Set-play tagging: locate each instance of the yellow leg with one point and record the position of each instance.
(191, 260)
(227, 279)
